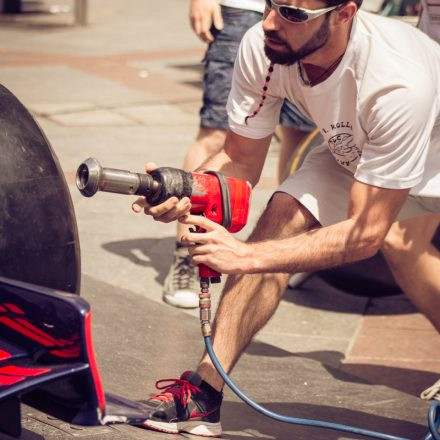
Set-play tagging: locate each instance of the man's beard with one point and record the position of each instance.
(290, 56)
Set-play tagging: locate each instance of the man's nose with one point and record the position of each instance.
(271, 20)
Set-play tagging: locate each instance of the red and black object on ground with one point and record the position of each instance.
(46, 356)
(47, 361)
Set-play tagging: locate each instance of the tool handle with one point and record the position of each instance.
(207, 272)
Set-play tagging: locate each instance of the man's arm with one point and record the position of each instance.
(241, 157)
(371, 212)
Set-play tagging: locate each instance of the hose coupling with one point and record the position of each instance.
(206, 328)
(205, 307)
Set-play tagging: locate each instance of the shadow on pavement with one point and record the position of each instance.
(316, 293)
(199, 68)
(241, 422)
(145, 252)
(25, 435)
(408, 381)
(313, 292)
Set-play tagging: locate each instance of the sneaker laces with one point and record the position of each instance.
(433, 392)
(184, 274)
(180, 388)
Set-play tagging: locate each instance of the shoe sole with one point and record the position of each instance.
(202, 429)
(169, 299)
(297, 279)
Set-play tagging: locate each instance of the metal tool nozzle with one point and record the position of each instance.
(87, 177)
(91, 177)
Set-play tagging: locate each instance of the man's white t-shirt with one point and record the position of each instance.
(250, 5)
(378, 111)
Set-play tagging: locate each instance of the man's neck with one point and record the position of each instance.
(314, 74)
(321, 65)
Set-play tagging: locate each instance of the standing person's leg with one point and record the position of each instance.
(293, 128)
(207, 143)
(415, 262)
(181, 285)
(290, 138)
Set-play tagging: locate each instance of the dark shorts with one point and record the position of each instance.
(219, 64)
(290, 116)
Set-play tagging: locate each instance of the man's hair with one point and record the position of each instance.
(337, 2)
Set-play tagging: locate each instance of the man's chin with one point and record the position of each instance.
(279, 57)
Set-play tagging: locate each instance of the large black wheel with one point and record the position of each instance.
(38, 233)
(11, 6)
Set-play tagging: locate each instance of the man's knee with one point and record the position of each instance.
(409, 237)
(211, 140)
(284, 216)
(395, 241)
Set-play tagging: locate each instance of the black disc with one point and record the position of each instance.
(38, 233)
(371, 277)
(11, 6)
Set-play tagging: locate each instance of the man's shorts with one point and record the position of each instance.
(323, 187)
(219, 65)
(290, 116)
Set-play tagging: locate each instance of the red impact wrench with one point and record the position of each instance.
(224, 200)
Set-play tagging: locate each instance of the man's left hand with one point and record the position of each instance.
(216, 247)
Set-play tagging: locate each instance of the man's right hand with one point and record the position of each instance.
(168, 211)
(203, 14)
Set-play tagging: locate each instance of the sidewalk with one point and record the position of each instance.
(126, 90)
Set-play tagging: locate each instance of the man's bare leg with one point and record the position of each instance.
(248, 301)
(415, 263)
(290, 139)
(209, 141)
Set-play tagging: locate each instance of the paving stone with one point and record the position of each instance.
(158, 115)
(93, 118)
(54, 108)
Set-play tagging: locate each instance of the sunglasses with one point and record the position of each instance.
(292, 14)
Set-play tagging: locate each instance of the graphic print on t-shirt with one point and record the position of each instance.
(341, 143)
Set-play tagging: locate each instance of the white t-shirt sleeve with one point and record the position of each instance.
(399, 124)
(249, 78)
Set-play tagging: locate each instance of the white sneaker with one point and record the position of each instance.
(433, 392)
(181, 287)
(297, 279)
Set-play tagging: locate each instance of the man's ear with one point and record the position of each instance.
(345, 12)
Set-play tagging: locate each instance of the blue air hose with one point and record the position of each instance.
(434, 413)
(434, 421)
